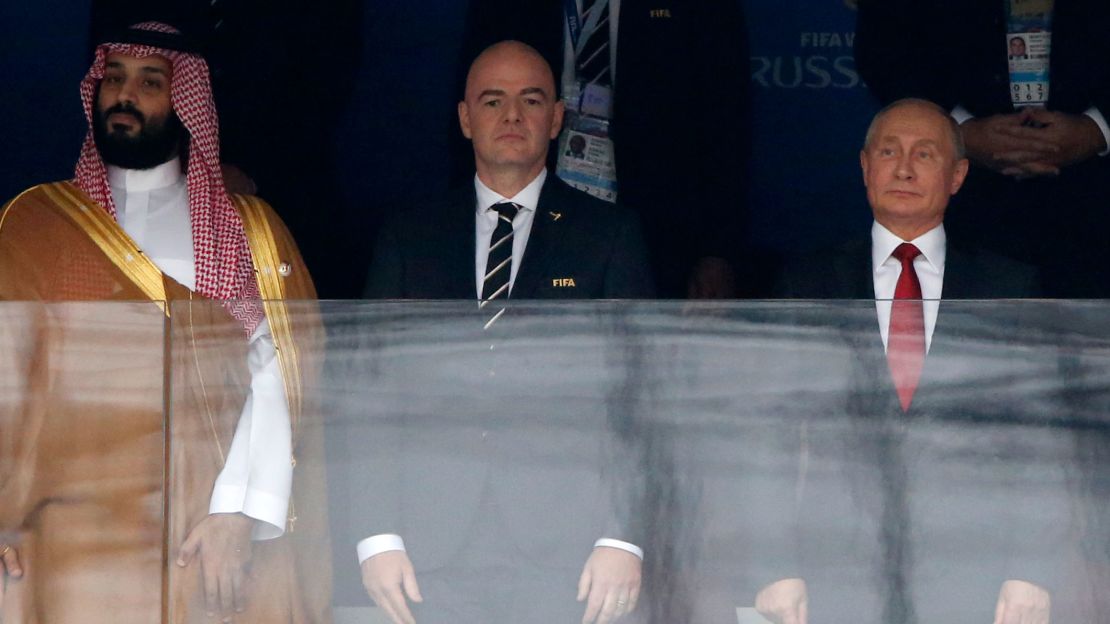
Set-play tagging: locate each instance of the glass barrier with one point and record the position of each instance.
(82, 408)
(736, 444)
(745, 448)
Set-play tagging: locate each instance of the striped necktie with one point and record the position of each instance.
(592, 63)
(499, 263)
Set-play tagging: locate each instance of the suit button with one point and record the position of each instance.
(485, 434)
(493, 373)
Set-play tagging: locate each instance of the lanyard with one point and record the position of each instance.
(575, 26)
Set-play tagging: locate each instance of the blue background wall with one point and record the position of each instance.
(810, 112)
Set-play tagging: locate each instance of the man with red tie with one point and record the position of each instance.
(914, 457)
(913, 162)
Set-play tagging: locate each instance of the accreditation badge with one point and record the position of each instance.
(1028, 54)
(586, 159)
(1028, 49)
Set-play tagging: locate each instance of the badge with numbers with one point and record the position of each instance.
(586, 159)
(1028, 54)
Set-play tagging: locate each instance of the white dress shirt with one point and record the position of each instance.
(886, 269)
(485, 221)
(152, 206)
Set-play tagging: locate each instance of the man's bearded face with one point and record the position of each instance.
(133, 121)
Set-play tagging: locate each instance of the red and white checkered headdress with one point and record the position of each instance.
(223, 259)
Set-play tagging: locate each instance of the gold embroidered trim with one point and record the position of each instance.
(200, 379)
(111, 239)
(264, 251)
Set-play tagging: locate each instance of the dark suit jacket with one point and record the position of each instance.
(949, 51)
(680, 169)
(846, 273)
(455, 425)
(922, 514)
(428, 252)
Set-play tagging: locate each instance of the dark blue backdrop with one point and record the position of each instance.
(809, 111)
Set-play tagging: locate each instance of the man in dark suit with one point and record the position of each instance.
(911, 172)
(521, 232)
(929, 473)
(679, 120)
(1035, 128)
(566, 245)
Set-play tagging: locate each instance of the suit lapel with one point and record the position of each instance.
(455, 244)
(853, 270)
(542, 239)
(959, 283)
(959, 278)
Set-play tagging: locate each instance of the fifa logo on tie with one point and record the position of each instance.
(563, 282)
(659, 12)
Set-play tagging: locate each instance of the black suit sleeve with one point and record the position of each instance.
(1077, 37)
(364, 434)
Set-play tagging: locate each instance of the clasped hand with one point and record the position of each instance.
(1033, 142)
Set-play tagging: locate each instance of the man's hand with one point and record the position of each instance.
(384, 576)
(1032, 142)
(1077, 137)
(711, 278)
(1009, 145)
(611, 581)
(9, 567)
(1020, 602)
(784, 602)
(223, 543)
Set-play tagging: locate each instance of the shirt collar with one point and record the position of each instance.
(142, 180)
(931, 244)
(528, 197)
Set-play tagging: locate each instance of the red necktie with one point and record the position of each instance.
(905, 351)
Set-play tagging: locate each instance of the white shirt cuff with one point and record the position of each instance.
(1100, 121)
(258, 474)
(269, 509)
(960, 114)
(377, 544)
(615, 543)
